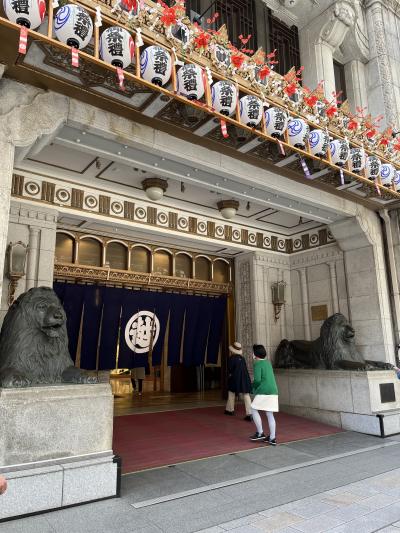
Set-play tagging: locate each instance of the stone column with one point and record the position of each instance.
(34, 233)
(361, 241)
(304, 298)
(356, 84)
(27, 114)
(380, 86)
(6, 171)
(334, 289)
(320, 39)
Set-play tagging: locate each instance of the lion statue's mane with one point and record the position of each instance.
(34, 343)
(334, 349)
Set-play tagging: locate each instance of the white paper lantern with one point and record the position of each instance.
(357, 160)
(340, 152)
(156, 65)
(276, 121)
(117, 47)
(298, 132)
(397, 180)
(190, 82)
(73, 26)
(319, 142)
(224, 97)
(372, 167)
(387, 174)
(28, 13)
(251, 110)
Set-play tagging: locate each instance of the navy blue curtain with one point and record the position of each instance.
(154, 302)
(197, 323)
(93, 307)
(217, 322)
(130, 306)
(112, 304)
(59, 289)
(177, 314)
(72, 296)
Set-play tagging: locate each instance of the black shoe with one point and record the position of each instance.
(257, 436)
(271, 442)
(229, 413)
(248, 418)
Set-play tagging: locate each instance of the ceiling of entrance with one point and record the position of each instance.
(81, 157)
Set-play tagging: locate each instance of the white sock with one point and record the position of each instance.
(272, 424)
(257, 420)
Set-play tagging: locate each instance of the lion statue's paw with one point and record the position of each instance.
(76, 375)
(10, 378)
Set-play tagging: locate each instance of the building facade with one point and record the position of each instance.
(77, 155)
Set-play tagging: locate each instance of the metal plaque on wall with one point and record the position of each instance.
(319, 312)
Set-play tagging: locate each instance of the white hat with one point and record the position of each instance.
(236, 348)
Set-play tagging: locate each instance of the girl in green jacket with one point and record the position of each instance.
(266, 395)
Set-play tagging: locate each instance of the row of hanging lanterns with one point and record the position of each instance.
(73, 26)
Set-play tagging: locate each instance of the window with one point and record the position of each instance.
(221, 272)
(203, 269)
(90, 252)
(162, 263)
(183, 266)
(340, 80)
(286, 42)
(140, 259)
(65, 248)
(239, 17)
(116, 255)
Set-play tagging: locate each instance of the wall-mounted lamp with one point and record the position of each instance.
(278, 297)
(16, 261)
(228, 208)
(154, 188)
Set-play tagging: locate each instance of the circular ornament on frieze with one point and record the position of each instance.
(32, 188)
(219, 231)
(267, 242)
(236, 235)
(314, 239)
(162, 218)
(140, 213)
(117, 208)
(252, 238)
(202, 227)
(91, 201)
(63, 195)
(182, 223)
(297, 244)
(281, 244)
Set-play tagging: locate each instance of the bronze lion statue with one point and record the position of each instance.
(34, 343)
(334, 349)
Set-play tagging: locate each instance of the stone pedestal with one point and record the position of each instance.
(368, 402)
(56, 447)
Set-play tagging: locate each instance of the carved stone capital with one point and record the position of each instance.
(342, 18)
(25, 118)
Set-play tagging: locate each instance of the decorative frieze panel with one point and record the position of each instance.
(70, 271)
(141, 212)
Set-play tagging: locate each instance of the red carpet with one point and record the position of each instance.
(159, 439)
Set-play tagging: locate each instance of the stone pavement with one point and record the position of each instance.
(341, 483)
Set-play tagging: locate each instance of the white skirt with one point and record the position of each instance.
(266, 402)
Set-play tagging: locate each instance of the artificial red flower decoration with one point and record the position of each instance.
(384, 141)
(169, 16)
(352, 125)
(396, 146)
(290, 89)
(311, 100)
(237, 60)
(331, 111)
(264, 72)
(371, 133)
(130, 4)
(201, 41)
